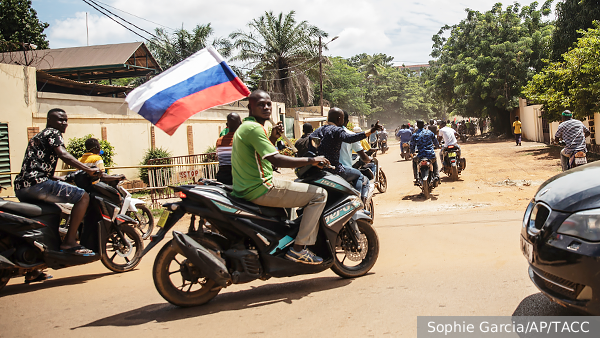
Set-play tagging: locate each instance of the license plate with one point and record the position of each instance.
(580, 160)
(163, 218)
(423, 162)
(451, 154)
(527, 249)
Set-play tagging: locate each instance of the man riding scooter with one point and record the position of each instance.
(405, 135)
(449, 136)
(573, 133)
(424, 142)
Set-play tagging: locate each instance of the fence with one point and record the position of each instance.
(180, 170)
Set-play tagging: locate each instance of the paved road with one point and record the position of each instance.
(460, 259)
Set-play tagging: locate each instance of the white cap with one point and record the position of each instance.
(357, 129)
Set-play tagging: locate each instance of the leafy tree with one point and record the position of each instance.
(573, 83)
(370, 64)
(19, 24)
(282, 51)
(169, 50)
(342, 87)
(76, 146)
(572, 18)
(486, 59)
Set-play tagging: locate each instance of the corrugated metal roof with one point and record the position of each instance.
(50, 83)
(89, 62)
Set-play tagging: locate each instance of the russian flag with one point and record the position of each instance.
(197, 83)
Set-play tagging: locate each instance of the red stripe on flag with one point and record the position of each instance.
(190, 105)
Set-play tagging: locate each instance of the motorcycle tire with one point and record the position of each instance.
(130, 252)
(454, 173)
(425, 187)
(145, 219)
(370, 207)
(369, 258)
(381, 182)
(166, 261)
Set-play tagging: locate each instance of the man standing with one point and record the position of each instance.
(36, 181)
(304, 144)
(517, 130)
(224, 145)
(432, 127)
(573, 132)
(252, 159)
(424, 142)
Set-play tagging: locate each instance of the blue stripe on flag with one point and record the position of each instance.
(154, 108)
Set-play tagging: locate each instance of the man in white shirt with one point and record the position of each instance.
(449, 136)
(354, 176)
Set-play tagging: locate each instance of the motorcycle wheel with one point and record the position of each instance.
(425, 187)
(345, 250)
(381, 182)
(4, 273)
(127, 249)
(178, 282)
(454, 173)
(145, 219)
(370, 207)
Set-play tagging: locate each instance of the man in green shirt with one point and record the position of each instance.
(252, 160)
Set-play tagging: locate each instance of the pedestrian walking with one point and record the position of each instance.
(517, 130)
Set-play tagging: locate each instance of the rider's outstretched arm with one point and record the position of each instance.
(282, 161)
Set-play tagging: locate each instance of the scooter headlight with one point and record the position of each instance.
(583, 224)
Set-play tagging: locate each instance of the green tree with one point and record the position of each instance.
(170, 49)
(342, 87)
(282, 51)
(76, 147)
(484, 61)
(19, 24)
(572, 83)
(370, 64)
(572, 18)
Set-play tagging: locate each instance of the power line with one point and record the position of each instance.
(139, 17)
(92, 1)
(113, 19)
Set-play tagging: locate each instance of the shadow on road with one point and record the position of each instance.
(418, 198)
(539, 305)
(447, 179)
(545, 153)
(257, 296)
(51, 283)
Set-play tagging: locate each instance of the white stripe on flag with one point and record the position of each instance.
(195, 64)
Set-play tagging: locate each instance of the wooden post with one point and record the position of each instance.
(103, 132)
(152, 139)
(190, 139)
(32, 131)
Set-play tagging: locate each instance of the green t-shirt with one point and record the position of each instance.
(252, 174)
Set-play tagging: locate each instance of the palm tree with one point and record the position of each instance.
(169, 50)
(283, 52)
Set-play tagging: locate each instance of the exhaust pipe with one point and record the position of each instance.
(209, 265)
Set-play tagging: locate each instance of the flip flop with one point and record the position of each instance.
(79, 250)
(40, 278)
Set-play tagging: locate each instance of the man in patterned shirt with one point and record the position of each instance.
(224, 145)
(573, 132)
(425, 142)
(36, 181)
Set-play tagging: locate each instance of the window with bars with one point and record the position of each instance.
(5, 180)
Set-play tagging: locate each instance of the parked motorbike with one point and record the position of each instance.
(452, 165)
(249, 242)
(30, 239)
(425, 177)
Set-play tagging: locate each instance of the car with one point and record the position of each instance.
(560, 238)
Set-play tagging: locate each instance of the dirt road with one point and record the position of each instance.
(456, 254)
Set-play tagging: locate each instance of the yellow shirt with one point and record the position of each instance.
(365, 144)
(517, 127)
(91, 159)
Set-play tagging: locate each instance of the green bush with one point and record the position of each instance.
(152, 154)
(76, 146)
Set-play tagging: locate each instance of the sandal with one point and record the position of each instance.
(79, 250)
(42, 276)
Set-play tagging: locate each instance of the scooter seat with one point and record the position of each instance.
(259, 209)
(29, 210)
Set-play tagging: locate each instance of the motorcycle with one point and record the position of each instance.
(132, 207)
(383, 146)
(249, 242)
(452, 165)
(30, 239)
(405, 152)
(575, 160)
(425, 179)
(377, 179)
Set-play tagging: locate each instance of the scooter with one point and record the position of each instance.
(30, 240)
(377, 179)
(425, 178)
(452, 164)
(405, 151)
(383, 146)
(575, 160)
(249, 242)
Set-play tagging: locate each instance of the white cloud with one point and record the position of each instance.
(402, 29)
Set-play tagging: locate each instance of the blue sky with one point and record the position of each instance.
(402, 29)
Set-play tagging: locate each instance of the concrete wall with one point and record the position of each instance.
(19, 103)
(127, 131)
